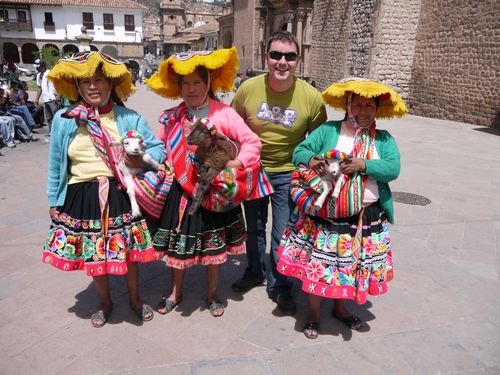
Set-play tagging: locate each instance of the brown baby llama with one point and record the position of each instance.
(214, 151)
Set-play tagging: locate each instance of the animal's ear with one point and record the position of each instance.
(220, 136)
(115, 144)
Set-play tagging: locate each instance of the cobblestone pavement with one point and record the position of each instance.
(440, 316)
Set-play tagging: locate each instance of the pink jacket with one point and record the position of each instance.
(229, 123)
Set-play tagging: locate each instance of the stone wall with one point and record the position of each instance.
(393, 45)
(360, 36)
(455, 72)
(443, 57)
(244, 32)
(330, 27)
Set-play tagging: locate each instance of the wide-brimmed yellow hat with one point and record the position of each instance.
(222, 65)
(84, 65)
(391, 104)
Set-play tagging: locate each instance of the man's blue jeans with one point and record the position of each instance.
(24, 111)
(256, 212)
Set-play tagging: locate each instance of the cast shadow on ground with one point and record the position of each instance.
(494, 131)
(194, 296)
(329, 326)
(87, 301)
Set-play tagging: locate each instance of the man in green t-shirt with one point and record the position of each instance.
(282, 110)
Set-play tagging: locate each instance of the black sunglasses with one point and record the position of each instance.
(289, 56)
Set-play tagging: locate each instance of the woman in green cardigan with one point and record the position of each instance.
(342, 250)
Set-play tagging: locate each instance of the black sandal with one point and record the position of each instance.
(99, 318)
(351, 321)
(311, 330)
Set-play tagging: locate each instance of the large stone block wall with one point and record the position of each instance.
(443, 57)
(455, 73)
(392, 48)
(360, 36)
(330, 27)
(244, 32)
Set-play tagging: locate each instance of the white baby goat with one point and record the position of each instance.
(132, 143)
(333, 174)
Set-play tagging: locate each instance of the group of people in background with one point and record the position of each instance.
(279, 125)
(20, 117)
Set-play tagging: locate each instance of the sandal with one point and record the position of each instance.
(144, 312)
(99, 318)
(166, 305)
(351, 321)
(214, 306)
(311, 330)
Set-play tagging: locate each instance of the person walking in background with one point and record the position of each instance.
(342, 250)
(281, 109)
(93, 228)
(47, 92)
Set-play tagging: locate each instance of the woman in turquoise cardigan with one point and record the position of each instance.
(92, 226)
(342, 250)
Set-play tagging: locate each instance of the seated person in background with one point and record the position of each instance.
(21, 129)
(18, 103)
(35, 110)
(7, 132)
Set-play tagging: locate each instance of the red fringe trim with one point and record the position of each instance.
(333, 291)
(200, 260)
(105, 267)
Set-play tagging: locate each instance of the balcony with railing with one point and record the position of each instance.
(15, 25)
(49, 26)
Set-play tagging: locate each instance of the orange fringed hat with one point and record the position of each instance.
(222, 65)
(84, 65)
(391, 104)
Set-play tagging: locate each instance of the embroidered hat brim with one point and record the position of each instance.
(391, 103)
(84, 65)
(221, 64)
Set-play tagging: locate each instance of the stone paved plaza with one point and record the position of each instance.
(440, 316)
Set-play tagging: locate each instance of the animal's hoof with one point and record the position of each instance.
(136, 213)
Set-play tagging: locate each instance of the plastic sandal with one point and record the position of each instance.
(99, 318)
(311, 330)
(214, 306)
(166, 305)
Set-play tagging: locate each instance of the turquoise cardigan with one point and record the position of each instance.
(383, 170)
(62, 134)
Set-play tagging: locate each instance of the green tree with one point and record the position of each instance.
(50, 55)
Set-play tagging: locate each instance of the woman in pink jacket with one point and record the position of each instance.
(207, 236)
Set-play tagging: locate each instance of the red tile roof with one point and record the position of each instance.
(126, 4)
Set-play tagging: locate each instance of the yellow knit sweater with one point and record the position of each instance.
(85, 164)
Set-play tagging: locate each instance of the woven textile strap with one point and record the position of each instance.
(229, 188)
(104, 204)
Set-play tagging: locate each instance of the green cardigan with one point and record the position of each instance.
(383, 170)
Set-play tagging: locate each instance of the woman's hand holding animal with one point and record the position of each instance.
(318, 165)
(52, 211)
(235, 163)
(352, 165)
(134, 161)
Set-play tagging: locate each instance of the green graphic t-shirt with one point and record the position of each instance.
(281, 120)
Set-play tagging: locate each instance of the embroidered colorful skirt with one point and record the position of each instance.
(75, 240)
(319, 252)
(205, 238)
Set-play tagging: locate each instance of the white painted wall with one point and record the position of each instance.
(69, 20)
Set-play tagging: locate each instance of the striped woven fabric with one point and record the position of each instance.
(306, 187)
(229, 188)
(151, 188)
